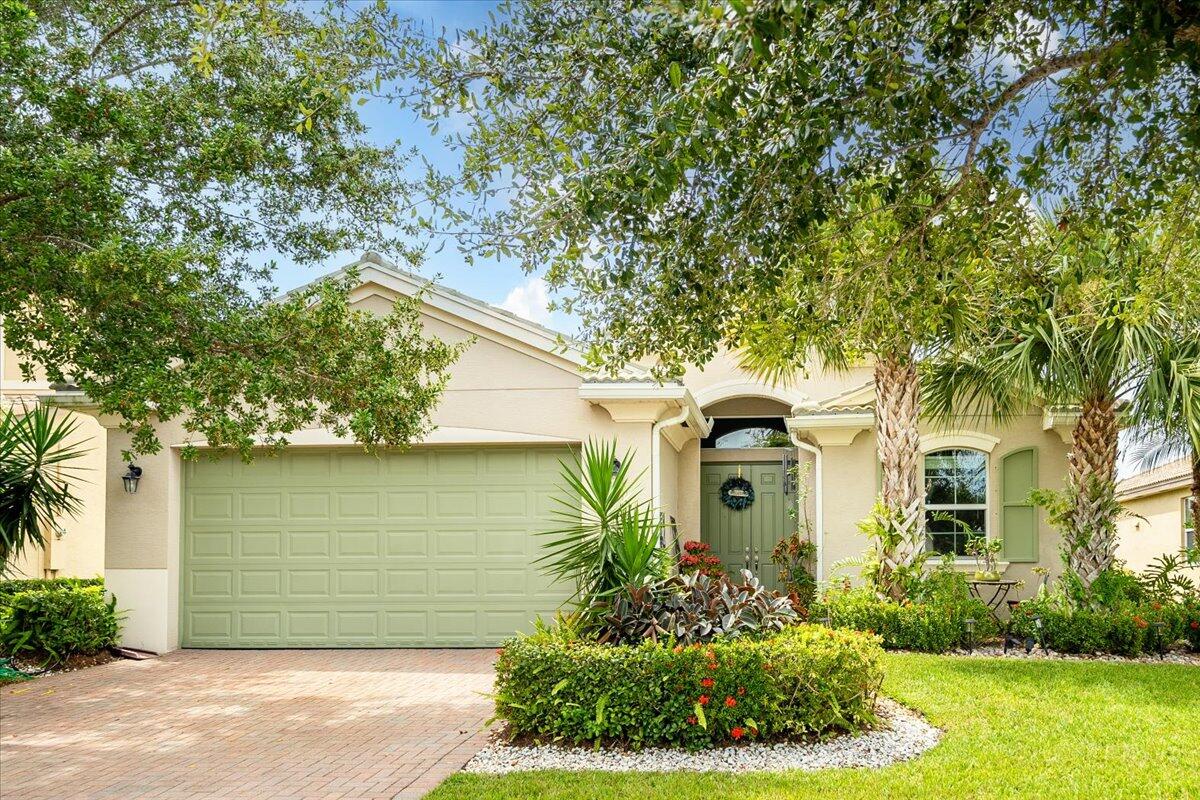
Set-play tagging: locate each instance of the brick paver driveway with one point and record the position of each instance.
(246, 724)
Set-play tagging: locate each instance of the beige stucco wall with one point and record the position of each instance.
(500, 386)
(1153, 527)
(78, 549)
(508, 387)
(851, 486)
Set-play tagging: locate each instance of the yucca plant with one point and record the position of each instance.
(36, 476)
(605, 537)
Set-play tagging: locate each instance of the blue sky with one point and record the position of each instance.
(501, 283)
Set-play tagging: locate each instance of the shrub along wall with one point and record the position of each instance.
(936, 626)
(55, 619)
(11, 587)
(1127, 630)
(807, 679)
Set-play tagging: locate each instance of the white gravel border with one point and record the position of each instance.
(996, 651)
(904, 735)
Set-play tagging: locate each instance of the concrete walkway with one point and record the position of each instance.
(257, 724)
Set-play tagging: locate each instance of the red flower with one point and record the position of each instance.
(692, 546)
(677, 649)
(741, 691)
(767, 667)
(1195, 625)
(692, 720)
(1157, 606)
(737, 733)
(703, 700)
(1141, 623)
(730, 702)
(713, 665)
(707, 683)
(689, 560)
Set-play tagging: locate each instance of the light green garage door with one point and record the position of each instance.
(335, 548)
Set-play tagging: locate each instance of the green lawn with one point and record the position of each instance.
(1012, 729)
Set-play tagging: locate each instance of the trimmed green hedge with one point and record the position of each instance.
(937, 626)
(1127, 630)
(9, 588)
(808, 679)
(54, 621)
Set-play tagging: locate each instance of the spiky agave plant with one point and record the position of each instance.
(36, 476)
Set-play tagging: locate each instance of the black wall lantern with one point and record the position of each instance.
(131, 478)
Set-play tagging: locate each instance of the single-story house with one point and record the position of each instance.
(1158, 517)
(326, 546)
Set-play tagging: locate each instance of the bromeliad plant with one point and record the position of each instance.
(606, 537)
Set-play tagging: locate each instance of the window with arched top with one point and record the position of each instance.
(956, 494)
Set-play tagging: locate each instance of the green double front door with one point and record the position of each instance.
(336, 548)
(745, 538)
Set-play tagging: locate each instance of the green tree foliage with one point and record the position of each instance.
(150, 153)
(664, 160)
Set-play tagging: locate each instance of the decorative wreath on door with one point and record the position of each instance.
(737, 493)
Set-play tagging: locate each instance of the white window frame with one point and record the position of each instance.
(984, 507)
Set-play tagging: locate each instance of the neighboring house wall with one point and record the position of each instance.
(1154, 526)
(76, 549)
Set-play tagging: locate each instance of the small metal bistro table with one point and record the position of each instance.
(1000, 591)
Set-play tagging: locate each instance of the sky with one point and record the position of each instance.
(501, 283)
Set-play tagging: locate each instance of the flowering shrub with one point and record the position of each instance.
(1125, 629)
(697, 558)
(934, 626)
(806, 680)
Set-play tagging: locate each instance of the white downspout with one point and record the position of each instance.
(656, 449)
(819, 504)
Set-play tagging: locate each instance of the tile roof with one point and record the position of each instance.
(1160, 479)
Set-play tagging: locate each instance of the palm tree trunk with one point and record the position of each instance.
(1091, 478)
(1196, 492)
(897, 413)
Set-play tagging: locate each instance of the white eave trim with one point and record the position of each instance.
(832, 429)
(632, 401)
(471, 309)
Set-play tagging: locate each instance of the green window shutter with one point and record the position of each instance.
(1018, 515)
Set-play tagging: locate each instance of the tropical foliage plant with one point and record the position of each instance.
(38, 478)
(559, 688)
(52, 623)
(688, 609)
(605, 536)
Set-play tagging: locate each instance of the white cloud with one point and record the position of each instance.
(530, 299)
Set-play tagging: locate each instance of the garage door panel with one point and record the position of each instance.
(340, 548)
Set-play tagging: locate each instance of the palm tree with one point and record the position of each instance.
(1092, 331)
(1167, 415)
(36, 475)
